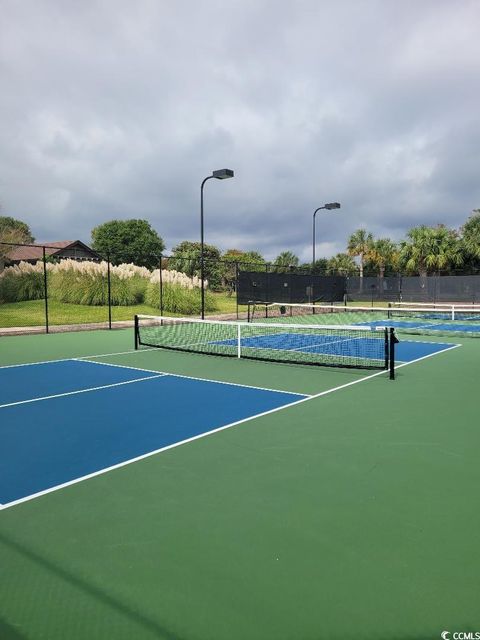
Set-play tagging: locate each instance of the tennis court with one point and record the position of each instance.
(158, 493)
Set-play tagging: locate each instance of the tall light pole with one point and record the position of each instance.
(220, 174)
(329, 205)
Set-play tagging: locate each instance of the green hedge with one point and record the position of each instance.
(18, 286)
(178, 299)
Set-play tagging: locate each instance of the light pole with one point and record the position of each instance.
(220, 174)
(329, 205)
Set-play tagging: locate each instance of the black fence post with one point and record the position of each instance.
(109, 293)
(160, 284)
(236, 286)
(45, 288)
(266, 290)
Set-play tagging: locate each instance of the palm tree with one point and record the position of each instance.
(431, 249)
(342, 263)
(359, 244)
(383, 252)
(285, 260)
(471, 235)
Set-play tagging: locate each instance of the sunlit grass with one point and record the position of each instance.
(32, 313)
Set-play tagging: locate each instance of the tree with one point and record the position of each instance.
(342, 264)
(13, 227)
(285, 260)
(382, 253)
(471, 239)
(359, 244)
(186, 258)
(229, 266)
(246, 261)
(431, 249)
(13, 231)
(320, 266)
(253, 258)
(128, 241)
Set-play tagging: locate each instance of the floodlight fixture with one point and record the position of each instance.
(220, 174)
(329, 206)
(223, 174)
(332, 205)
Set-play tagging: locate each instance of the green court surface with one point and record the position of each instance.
(351, 515)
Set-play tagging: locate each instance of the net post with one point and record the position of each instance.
(392, 342)
(387, 348)
(136, 332)
(239, 340)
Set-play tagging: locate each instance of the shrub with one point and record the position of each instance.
(21, 282)
(87, 283)
(181, 294)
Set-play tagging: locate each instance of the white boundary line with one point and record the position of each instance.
(207, 433)
(124, 366)
(179, 375)
(95, 355)
(182, 442)
(436, 353)
(72, 393)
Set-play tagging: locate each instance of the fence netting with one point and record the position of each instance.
(51, 292)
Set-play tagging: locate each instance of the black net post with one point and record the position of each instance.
(136, 332)
(45, 287)
(387, 349)
(109, 293)
(392, 342)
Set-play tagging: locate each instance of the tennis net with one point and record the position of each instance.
(435, 311)
(443, 319)
(335, 346)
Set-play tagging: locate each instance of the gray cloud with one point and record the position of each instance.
(113, 109)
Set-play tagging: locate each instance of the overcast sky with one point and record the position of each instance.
(119, 109)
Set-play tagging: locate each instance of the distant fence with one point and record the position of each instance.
(461, 288)
(269, 285)
(52, 291)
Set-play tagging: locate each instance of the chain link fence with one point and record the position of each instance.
(45, 289)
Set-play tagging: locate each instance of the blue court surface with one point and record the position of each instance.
(62, 421)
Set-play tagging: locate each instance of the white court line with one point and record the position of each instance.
(179, 375)
(182, 442)
(435, 353)
(72, 393)
(207, 433)
(95, 355)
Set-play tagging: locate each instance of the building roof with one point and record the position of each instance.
(35, 252)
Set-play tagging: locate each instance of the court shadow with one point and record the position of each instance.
(7, 632)
(149, 624)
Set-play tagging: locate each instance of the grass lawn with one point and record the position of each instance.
(32, 312)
